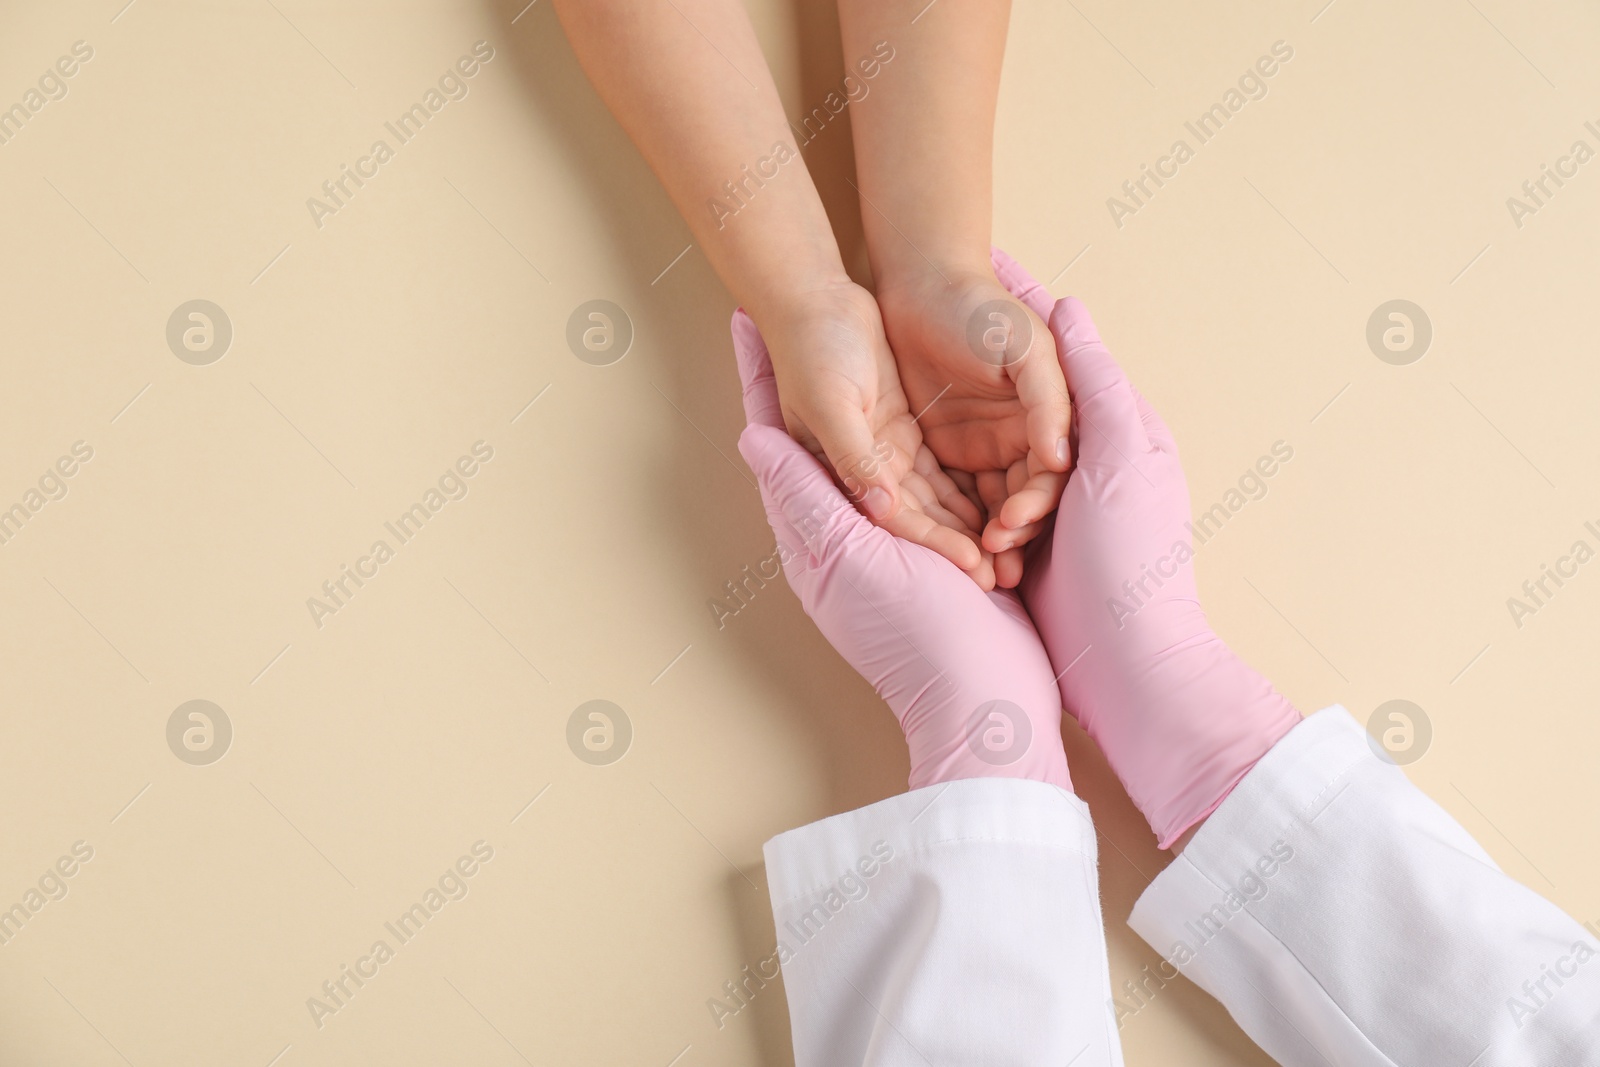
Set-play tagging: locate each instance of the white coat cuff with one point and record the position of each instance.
(959, 923)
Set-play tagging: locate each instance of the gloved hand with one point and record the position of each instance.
(963, 670)
(1111, 589)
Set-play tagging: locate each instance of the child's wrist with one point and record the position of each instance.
(793, 295)
(942, 266)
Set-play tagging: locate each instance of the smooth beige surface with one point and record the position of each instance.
(371, 752)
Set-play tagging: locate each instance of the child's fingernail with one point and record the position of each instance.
(1061, 450)
(876, 502)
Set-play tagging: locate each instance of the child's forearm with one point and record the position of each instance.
(924, 135)
(689, 84)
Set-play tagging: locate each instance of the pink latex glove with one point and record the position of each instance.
(1180, 718)
(963, 670)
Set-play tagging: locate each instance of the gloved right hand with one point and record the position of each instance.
(1180, 718)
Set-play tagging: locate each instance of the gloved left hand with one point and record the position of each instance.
(963, 670)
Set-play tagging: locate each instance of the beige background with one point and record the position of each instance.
(370, 753)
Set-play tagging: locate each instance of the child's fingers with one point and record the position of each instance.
(1034, 500)
(946, 493)
(944, 531)
(917, 526)
(968, 484)
(1042, 389)
(1007, 538)
(992, 491)
(1008, 568)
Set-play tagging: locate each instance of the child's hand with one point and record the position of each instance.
(980, 368)
(839, 395)
(962, 669)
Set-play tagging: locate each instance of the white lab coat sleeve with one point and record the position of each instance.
(957, 924)
(1344, 918)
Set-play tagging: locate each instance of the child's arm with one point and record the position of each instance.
(689, 84)
(924, 144)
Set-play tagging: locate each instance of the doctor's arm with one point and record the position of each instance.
(1341, 916)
